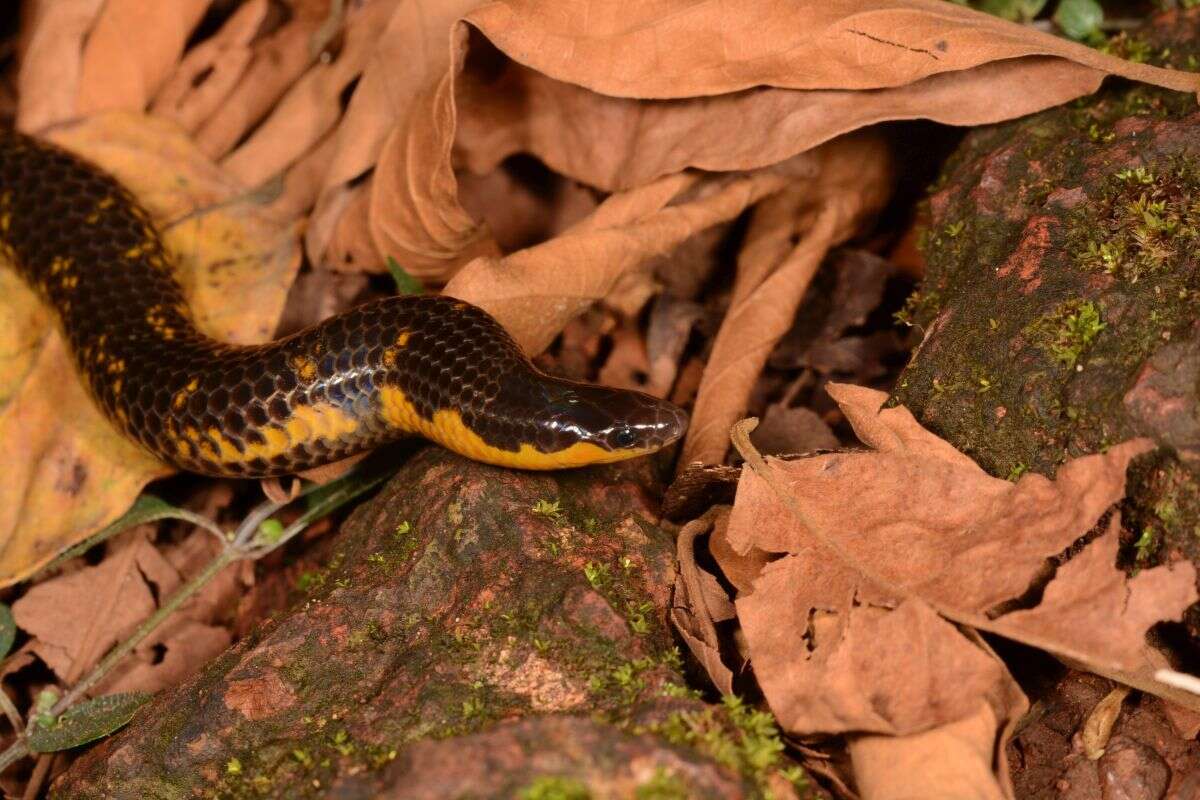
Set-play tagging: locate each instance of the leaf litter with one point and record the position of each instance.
(388, 129)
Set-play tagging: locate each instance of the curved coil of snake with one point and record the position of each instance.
(427, 365)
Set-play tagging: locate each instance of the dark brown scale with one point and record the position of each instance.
(75, 234)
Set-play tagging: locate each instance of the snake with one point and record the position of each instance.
(408, 365)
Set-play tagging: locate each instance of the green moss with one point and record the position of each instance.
(742, 738)
(1067, 332)
(919, 309)
(662, 786)
(1145, 546)
(554, 787)
(1140, 222)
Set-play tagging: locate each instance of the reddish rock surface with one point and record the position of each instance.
(475, 631)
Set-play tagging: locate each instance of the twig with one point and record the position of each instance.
(14, 716)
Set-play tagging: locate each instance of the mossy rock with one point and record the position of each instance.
(473, 627)
(1061, 304)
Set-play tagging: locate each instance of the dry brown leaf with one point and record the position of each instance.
(302, 181)
(740, 569)
(413, 54)
(519, 214)
(186, 646)
(75, 618)
(674, 49)
(211, 70)
(52, 36)
(277, 61)
(534, 292)
(65, 482)
(773, 274)
(672, 85)
(786, 430)
(311, 107)
(131, 50)
(933, 525)
(698, 603)
(851, 631)
(954, 761)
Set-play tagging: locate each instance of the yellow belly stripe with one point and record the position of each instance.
(320, 422)
(447, 429)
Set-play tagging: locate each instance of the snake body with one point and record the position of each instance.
(424, 365)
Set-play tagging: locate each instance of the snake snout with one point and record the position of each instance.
(621, 422)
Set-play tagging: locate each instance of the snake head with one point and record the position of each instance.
(585, 424)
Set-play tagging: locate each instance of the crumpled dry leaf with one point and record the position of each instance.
(699, 603)
(52, 33)
(131, 49)
(855, 629)
(73, 619)
(210, 71)
(774, 271)
(534, 292)
(312, 106)
(66, 481)
(695, 85)
(954, 761)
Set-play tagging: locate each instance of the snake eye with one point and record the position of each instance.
(624, 437)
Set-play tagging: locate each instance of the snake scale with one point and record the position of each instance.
(418, 365)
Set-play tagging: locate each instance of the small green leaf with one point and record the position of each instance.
(1079, 19)
(405, 283)
(8, 630)
(90, 720)
(270, 530)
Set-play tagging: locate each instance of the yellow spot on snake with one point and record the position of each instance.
(106, 202)
(459, 306)
(180, 398)
(389, 357)
(134, 252)
(116, 386)
(5, 221)
(60, 264)
(305, 367)
(448, 429)
(403, 338)
(92, 218)
(116, 366)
